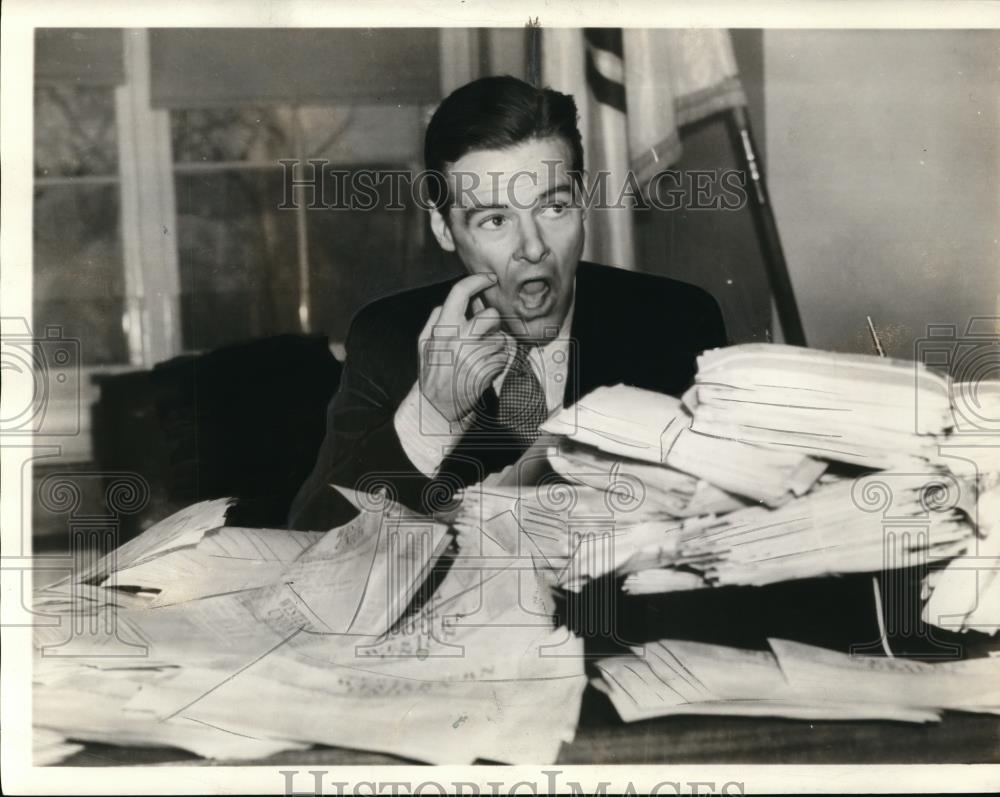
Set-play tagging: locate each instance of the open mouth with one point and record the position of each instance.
(534, 293)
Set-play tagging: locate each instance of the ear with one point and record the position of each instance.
(442, 231)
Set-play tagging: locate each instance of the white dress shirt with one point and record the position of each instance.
(428, 437)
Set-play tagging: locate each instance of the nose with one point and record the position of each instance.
(532, 247)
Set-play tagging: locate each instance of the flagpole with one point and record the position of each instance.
(767, 229)
(533, 53)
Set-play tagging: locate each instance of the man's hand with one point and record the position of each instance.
(460, 357)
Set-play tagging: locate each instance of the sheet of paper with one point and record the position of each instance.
(627, 421)
(185, 527)
(93, 708)
(359, 578)
(965, 595)
(971, 685)
(636, 694)
(224, 560)
(655, 428)
(449, 709)
(682, 677)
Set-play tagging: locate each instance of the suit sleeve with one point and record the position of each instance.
(361, 449)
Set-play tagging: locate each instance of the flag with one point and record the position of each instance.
(634, 89)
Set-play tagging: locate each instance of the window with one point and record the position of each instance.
(249, 268)
(79, 270)
(157, 223)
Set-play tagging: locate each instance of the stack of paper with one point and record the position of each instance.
(577, 532)
(795, 680)
(759, 427)
(237, 643)
(658, 488)
(652, 427)
(965, 594)
(582, 532)
(870, 411)
(829, 531)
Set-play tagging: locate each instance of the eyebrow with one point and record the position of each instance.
(548, 193)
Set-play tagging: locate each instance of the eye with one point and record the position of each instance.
(555, 209)
(494, 222)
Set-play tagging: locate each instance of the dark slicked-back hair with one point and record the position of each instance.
(496, 113)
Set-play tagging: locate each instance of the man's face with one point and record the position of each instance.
(513, 214)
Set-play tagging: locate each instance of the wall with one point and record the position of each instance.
(883, 161)
(716, 249)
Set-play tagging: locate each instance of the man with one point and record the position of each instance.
(447, 383)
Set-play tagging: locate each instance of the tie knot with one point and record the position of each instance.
(521, 407)
(521, 356)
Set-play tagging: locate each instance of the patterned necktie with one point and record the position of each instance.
(522, 401)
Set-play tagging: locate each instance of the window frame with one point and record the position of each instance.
(149, 250)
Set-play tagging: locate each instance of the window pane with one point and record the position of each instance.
(363, 134)
(231, 134)
(75, 131)
(356, 256)
(237, 254)
(78, 268)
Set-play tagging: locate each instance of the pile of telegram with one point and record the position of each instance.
(780, 463)
(237, 643)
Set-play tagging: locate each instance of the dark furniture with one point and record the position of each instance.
(245, 420)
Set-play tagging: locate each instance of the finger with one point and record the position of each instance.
(453, 311)
(492, 346)
(499, 344)
(437, 327)
(496, 342)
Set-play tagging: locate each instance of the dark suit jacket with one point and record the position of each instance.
(628, 327)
